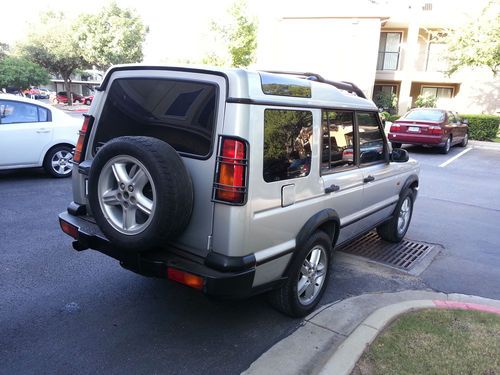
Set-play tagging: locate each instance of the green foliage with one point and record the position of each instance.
(4, 49)
(240, 37)
(482, 127)
(20, 73)
(114, 35)
(476, 43)
(53, 44)
(393, 118)
(385, 100)
(426, 101)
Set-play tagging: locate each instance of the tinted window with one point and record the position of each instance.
(287, 144)
(15, 112)
(181, 113)
(371, 139)
(337, 141)
(425, 115)
(451, 118)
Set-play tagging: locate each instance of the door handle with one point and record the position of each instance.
(331, 189)
(43, 130)
(368, 179)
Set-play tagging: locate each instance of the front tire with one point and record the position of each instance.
(395, 229)
(308, 278)
(59, 161)
(465, 140)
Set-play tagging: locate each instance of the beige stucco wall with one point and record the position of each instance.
(338, 49)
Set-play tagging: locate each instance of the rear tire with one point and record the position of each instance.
(58, 161)
(447, 146)
(307, 278)
(140, 192)
(395, 229)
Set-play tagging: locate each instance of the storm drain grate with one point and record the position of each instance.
(404, 255)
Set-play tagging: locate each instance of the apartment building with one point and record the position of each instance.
(388, 46)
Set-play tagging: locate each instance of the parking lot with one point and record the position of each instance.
(62, 311)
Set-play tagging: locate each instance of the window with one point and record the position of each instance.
(436, 51)
(16, 112)
(438, 92)
(386, 89)
(179, 112)
(371, 139)
(287, 144)
(337, 141)
(388, 51)
(285, 86)
(451, 118)
(425, 114)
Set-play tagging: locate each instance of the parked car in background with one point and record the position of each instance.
(43, 93)
(88, 99)
(32, 92)
(430, 127)
(33, 134)
(62, 97)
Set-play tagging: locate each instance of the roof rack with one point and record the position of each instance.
(342, 85)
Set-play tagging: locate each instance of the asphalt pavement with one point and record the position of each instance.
(67, 312)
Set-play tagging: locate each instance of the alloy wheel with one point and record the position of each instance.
(312, 275)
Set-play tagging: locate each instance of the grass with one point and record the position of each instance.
(436, 342)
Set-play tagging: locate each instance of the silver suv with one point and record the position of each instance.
(235, 182)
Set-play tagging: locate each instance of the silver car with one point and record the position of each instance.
(235, 182)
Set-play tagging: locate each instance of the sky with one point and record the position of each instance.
(180, 29)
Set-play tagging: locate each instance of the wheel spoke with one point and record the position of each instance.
(304, 270)
(129, 217)
(120, 172)
(55, 163)
(310, 290)
(302, 285)
(144, 204)
(110, 197)
(315, 256)
(139, 179)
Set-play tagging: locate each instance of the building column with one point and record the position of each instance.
(410, 53)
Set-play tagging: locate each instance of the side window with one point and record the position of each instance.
(451, 118)
(287, 144)
(14, 112)
(337, 141)
(371, 139)
(43, 114)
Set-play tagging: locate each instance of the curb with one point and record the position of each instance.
(331, 339)
(343, 361)
(485, 145)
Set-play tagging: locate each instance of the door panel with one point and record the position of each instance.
(22, 137)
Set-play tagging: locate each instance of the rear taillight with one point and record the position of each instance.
(186, 278)
(231, 171)
(435, 130)
(82, 138)
(395, 128)
(69, 229)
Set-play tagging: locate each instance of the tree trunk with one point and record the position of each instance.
(67, 87)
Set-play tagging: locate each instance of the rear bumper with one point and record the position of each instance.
(231, 284)
(417, 139)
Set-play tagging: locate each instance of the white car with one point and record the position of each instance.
(33, 134)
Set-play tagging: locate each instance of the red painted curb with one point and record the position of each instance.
(465, 306)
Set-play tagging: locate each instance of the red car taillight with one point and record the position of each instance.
(82, 138)
(231, 171)
(435, 130)
(395, 128)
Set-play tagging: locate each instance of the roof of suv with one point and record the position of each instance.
(247, 86)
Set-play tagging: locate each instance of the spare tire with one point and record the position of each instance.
(140, 192)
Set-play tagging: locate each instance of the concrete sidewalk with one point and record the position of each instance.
(331, 340)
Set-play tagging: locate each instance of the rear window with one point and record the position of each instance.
(179, 112)
(425, 115)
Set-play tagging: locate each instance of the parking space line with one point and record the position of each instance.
(454, 157)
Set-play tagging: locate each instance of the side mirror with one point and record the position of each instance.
(400, 155)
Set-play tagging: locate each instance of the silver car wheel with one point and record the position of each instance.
(62, 162)
(126, 194)
(404, 215)
(447, 146)
(312, 275)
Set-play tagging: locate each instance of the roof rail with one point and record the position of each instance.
(342, 85)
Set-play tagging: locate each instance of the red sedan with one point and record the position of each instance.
(430, 127)
(62, 97)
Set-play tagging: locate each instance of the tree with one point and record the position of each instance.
(53, 44)
(386, 100)
(20, 73)
(476, 43)
(4, 49)
(240, 36)
(114, 35)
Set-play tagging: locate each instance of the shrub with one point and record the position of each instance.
(426, 101)
(482, 127)
(393, 118)
(386, 100)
